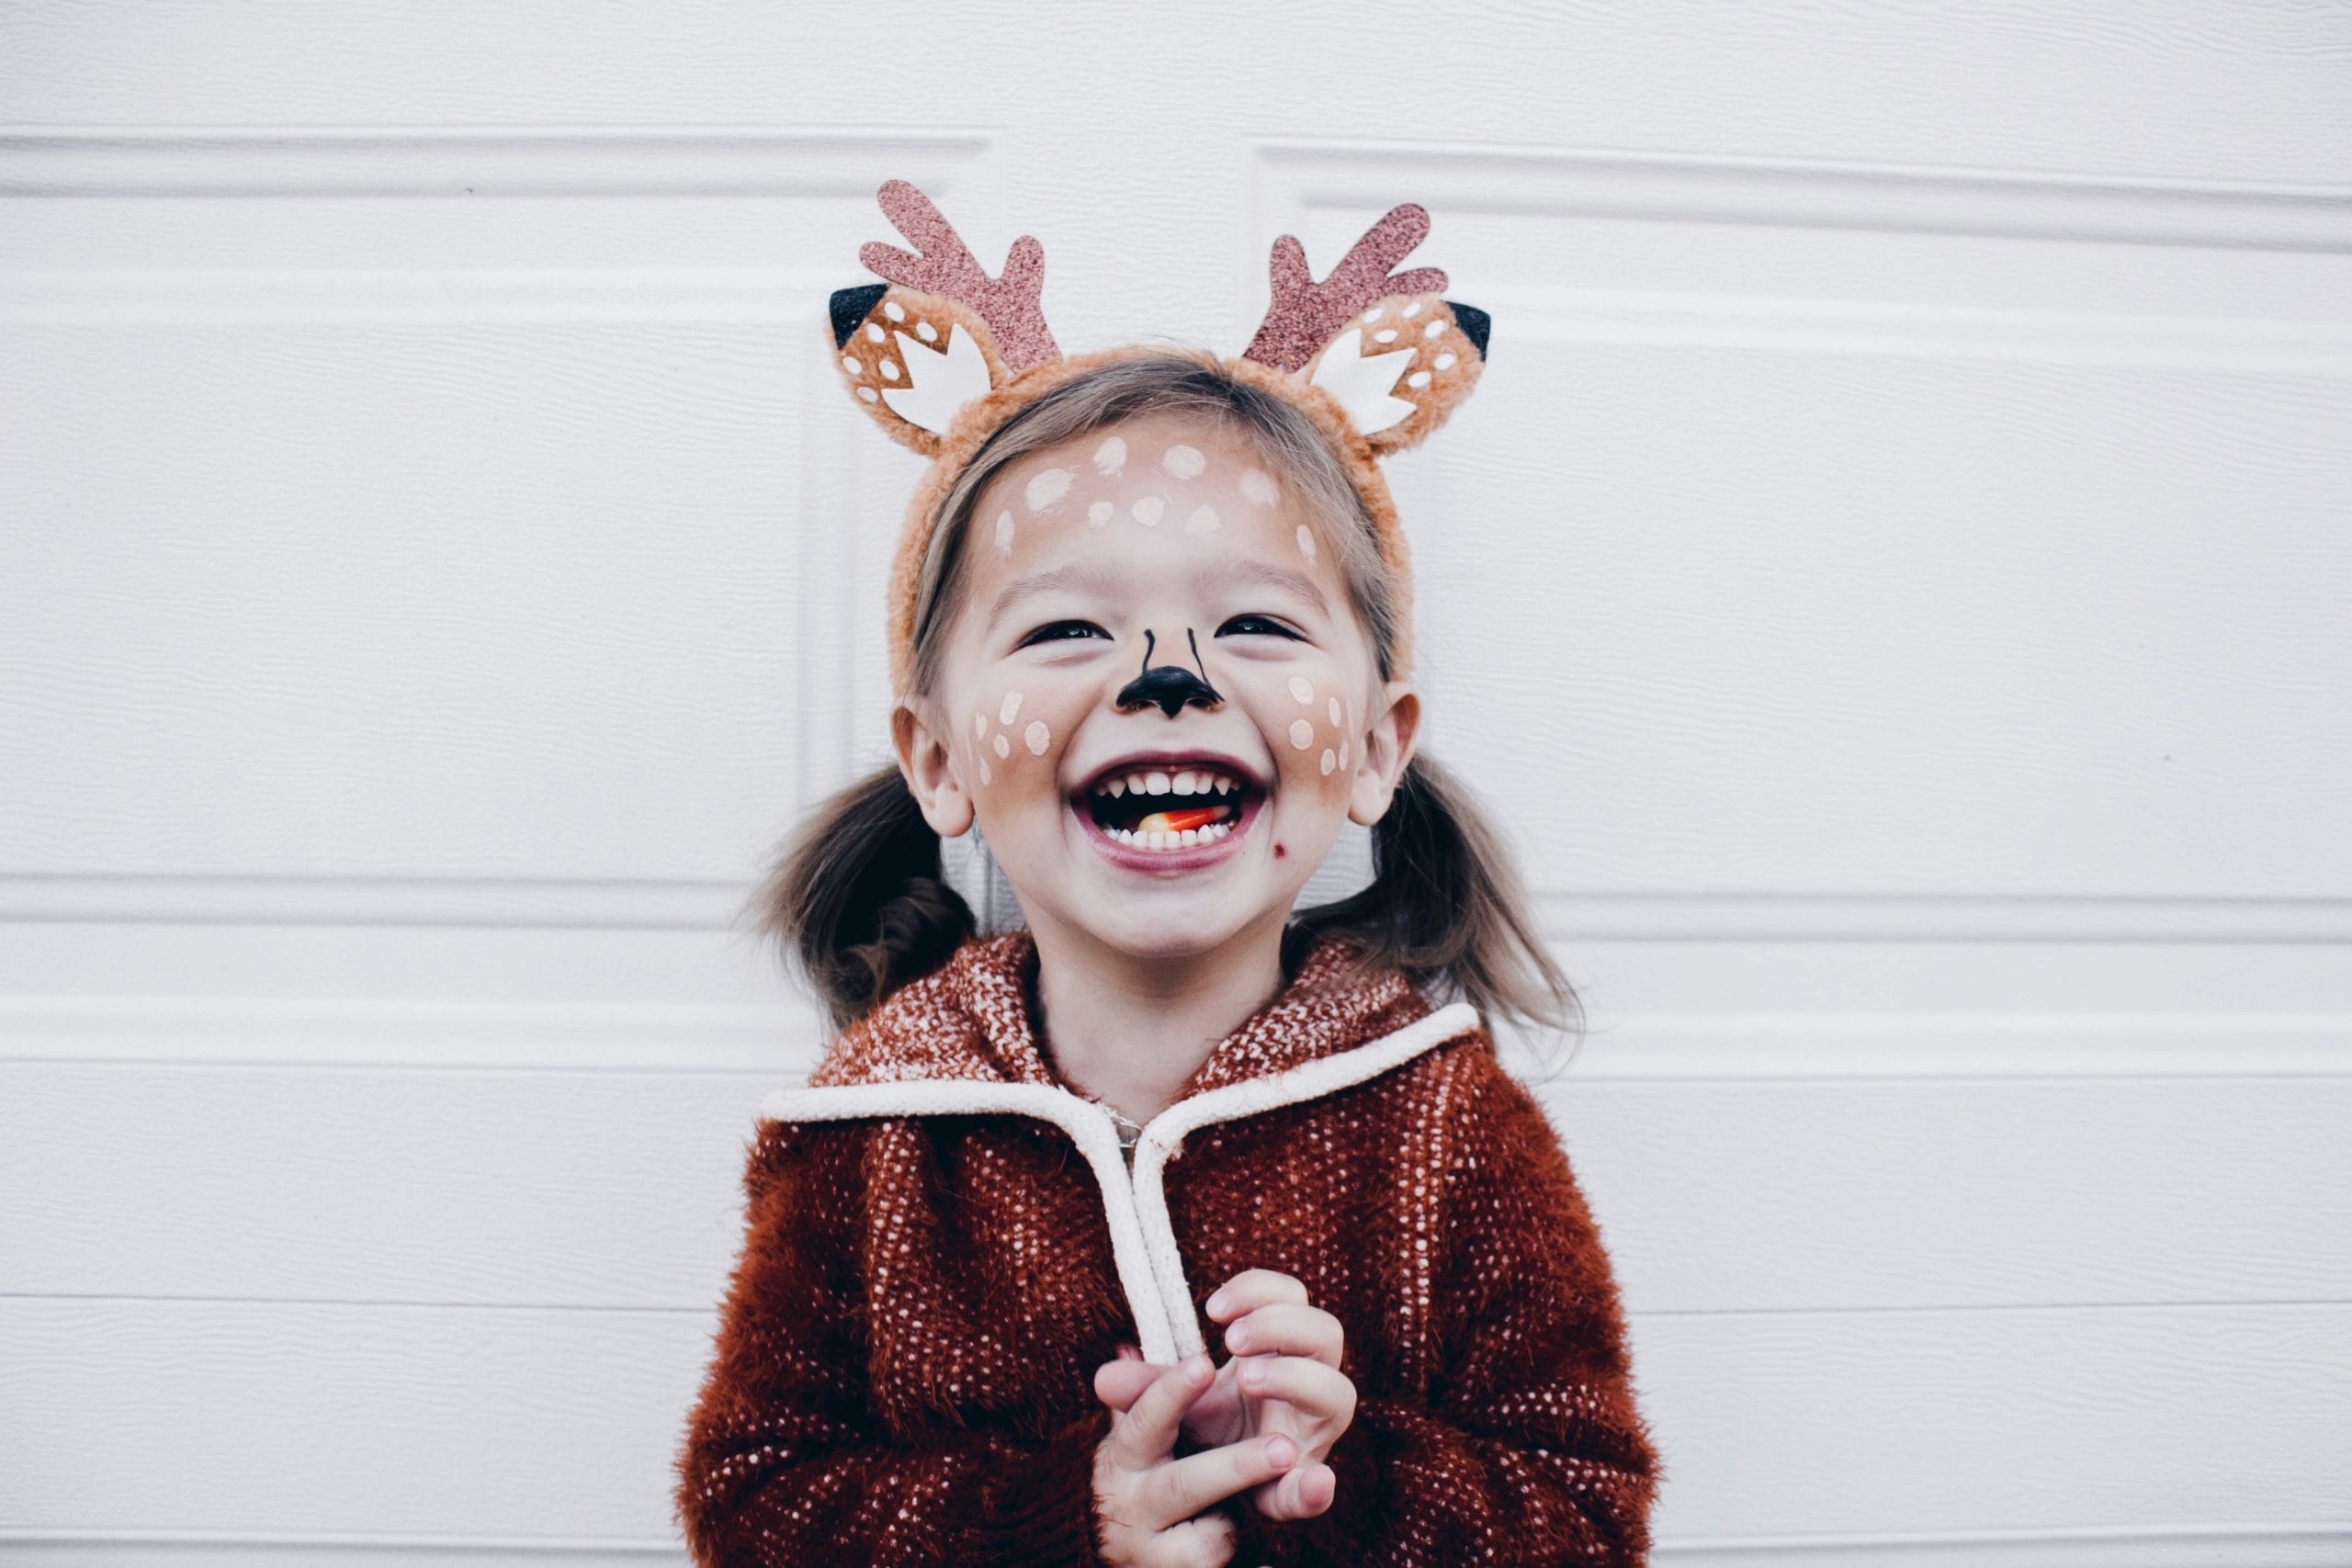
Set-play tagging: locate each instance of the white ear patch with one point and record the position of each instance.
(939, 380)
(1362, 384)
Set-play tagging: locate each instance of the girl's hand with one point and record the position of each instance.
(1149, 1499)
(1284, 1378)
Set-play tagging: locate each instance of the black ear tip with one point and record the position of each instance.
(1474, 323)
(850, 306)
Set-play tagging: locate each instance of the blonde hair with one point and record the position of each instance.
(858, 898)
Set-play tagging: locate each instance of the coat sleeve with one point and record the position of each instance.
(1529, 1447)
(785, 1459)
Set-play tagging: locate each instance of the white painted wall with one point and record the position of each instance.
(435, 564)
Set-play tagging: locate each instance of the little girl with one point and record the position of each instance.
(1149, 629)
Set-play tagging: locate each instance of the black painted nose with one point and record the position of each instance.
(1171, 688)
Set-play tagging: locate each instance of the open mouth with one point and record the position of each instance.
(1168, 808)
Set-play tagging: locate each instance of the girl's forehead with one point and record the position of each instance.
(1156, 493)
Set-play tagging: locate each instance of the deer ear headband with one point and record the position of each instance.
(940, 354)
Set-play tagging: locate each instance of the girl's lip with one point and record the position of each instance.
(1128, 857)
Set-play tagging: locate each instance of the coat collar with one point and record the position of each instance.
(970, 1020)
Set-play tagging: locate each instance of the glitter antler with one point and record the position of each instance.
(1305, 315)
(1008, 304)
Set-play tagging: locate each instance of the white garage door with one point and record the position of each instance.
(1915, 482)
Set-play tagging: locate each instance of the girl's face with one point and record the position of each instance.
(1156, 698)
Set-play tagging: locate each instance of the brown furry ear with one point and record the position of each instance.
(1400, 367)
(912, 359)
(940, 332)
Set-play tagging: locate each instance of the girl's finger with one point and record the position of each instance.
(1318, 1389)
(1304, 1492)
(1146, 1433)
(1290, 1328)
(1252, 1288)
(1120, 1384)
(1178, 1490)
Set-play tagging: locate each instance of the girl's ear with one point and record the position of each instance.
(940, 332)
(1396, 353)
(928, 768)
(1387, 746)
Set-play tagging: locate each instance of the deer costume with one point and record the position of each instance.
(945, 1240)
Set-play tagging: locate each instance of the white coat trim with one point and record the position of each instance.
(1166, 1131)
(1143, 1236)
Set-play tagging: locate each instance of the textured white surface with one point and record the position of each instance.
(1891, 582)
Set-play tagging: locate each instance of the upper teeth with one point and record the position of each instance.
(1155, 782)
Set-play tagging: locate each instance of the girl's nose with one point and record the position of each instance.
(1171, 688)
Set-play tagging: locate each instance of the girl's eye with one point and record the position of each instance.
(1057, 631)
(1259, 626)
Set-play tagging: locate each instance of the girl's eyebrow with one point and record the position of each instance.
(1078, 575)
(1265, 574)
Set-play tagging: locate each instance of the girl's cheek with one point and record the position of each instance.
(1010, 735)
(1313, 729)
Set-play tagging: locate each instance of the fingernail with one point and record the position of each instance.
(1199, 1368)
(1217, 1301)
(1280, 1452)
(1237, 1336)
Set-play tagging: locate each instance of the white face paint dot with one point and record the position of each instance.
(869, 394)
(874, 330)
(1330, 761)
(988, 775)
(889, 370)
(1204, 520)
(1385, 334)
(1148, 509)
(1005, 713)
(1372, 314)
(980, 726)
(1445, 361)
(1258, 487)
(1184, 462)
(1302, 734)
(1003, 747)
(1111, 457)
(852, 364)
(1343, 753)
(1435, 329)
(1307, 541)
(1411, 309)
(1005, 533)
(1100, 512)
(893, 310)
(1418, 379)
(1047, 487)
(926, 332)
(1334, 710)
(1039, 736)
(1302, 688)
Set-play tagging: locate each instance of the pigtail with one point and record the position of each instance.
(1444, 906)
(858, 899)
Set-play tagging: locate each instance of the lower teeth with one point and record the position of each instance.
(1162, 839)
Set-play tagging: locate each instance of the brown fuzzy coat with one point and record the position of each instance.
(943, 1243)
